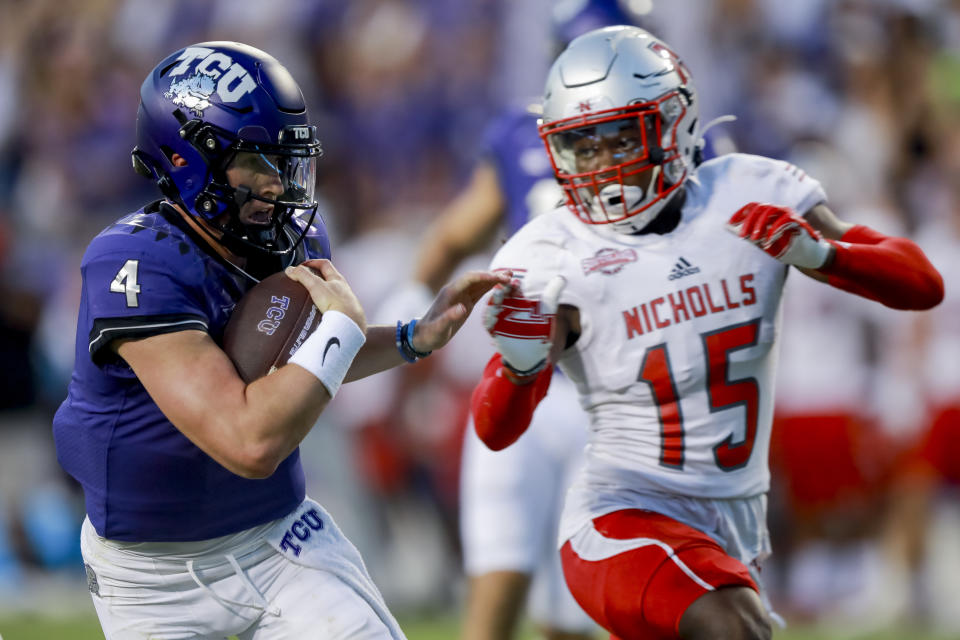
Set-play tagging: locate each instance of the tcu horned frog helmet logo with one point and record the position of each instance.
(215, 73)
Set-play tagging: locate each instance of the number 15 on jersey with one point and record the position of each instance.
(723, 393)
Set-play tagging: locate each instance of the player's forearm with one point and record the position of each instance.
(893, 271)
(378, 354)
(278, 410)
(443, 250)
(273, 417)
(502, 408)
(437, 263)
(247, 428)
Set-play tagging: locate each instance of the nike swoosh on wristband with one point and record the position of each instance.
(334, 341)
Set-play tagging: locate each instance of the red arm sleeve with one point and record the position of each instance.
(892, 271)
(502, 409)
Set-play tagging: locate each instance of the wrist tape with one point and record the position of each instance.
(808, 255)
(330, 350)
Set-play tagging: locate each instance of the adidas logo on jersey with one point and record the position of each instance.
(682, 268)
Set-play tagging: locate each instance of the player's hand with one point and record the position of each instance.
(523, 328)
(781, 233)
(452, 306)
(328, 289)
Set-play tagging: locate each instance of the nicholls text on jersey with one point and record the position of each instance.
(693, 302)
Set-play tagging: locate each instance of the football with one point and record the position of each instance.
(268, 325)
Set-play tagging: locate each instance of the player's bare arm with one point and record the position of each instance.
(466, 226)
(249, 429)
(439, 324)
(824, 220)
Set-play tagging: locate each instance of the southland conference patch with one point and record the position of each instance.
(608, 261)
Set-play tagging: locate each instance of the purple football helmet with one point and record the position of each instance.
(207, 103)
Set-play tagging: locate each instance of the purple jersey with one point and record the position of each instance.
(143, 480)
(514, 148)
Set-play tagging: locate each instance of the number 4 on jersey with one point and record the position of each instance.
(126, 282)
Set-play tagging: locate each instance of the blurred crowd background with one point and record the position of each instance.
(863, 95)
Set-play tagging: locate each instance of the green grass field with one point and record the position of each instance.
(26, 627)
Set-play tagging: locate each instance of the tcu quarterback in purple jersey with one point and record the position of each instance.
(198, 524)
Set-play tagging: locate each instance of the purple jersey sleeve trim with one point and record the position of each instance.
(105, 330)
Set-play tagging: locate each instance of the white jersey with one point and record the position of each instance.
(675, 362)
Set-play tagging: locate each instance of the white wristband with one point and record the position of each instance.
(807, 253)
(330, 350)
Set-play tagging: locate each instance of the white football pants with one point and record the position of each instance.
(297, 577)
(510, 504)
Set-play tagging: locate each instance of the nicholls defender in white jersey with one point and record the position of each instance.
(685, 404)
(657, 290)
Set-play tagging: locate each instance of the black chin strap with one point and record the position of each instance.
(259, 239)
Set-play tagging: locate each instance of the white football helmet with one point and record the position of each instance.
(620, 125)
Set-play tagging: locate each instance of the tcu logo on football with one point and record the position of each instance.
(274, 315)
(215, 72)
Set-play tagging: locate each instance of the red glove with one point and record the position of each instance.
(522, 327)
(781, 233)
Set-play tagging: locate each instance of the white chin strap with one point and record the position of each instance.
(613, 197)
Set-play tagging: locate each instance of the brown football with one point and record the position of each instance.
(268, 325)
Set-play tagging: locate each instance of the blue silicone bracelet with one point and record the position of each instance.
(408, 340)
(399, 339)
